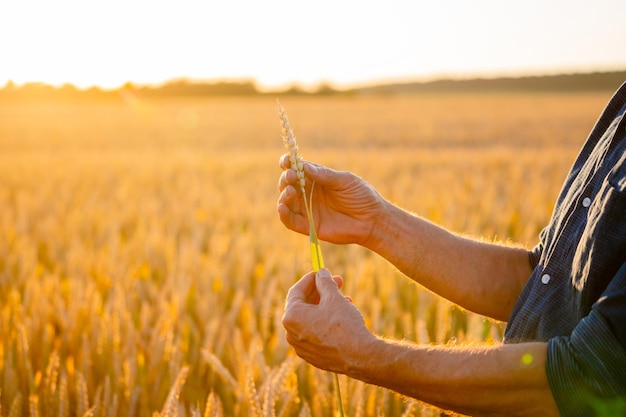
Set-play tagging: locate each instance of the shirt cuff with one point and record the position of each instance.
(587, 370)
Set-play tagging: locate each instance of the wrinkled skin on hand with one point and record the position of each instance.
(322, 325)
(345, 208)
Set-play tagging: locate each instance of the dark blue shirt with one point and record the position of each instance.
(575, 298)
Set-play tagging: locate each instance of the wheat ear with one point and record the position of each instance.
(289, 140)
(171, 403)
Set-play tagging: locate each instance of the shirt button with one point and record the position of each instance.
(545, 279)
(586, 202)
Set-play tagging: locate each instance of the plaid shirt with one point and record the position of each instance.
(575, 298)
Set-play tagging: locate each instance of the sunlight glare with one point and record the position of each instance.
(280, 42)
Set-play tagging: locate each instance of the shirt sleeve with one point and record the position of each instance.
(587, 370)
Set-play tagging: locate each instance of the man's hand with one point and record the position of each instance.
(322, 325)
(345, 208)
(328, 331)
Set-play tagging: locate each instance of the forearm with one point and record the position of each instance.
(482, 277)
(502, 380)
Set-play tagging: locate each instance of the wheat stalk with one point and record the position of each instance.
(220, 369)
(297, 164)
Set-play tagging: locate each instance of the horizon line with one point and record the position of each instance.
(312, 87)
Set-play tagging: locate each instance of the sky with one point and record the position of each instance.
(277, 43)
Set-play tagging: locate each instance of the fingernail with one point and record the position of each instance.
(324, 273)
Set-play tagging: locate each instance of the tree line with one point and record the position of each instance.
(594, 81)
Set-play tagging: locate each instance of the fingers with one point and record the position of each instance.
(287, 178)
(299, 299)
(286, 185)
(290, 208)
(291, 211)
(327, 288)
(324, 282)
(315, 172)
(284, 161)
(309, 289)
(302, 291)
(338, 280)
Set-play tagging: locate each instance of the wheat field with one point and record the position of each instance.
(143, 268)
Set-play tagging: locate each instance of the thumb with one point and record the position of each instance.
(320, 173)
(325, 284)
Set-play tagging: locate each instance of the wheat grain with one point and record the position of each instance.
(305, 411)
(98, 404)
(22, 351)
(213, 406)
(276, 387)
(106, 396)
(195, 411)
(289, 140)
(112, 407)
(64, 405)
(16, 406)
(50, 382)
(88, 413)
(170, 408)
(282, 388)
(269, 400)
(33, 405)
(253, 396)
(409, 409)
(82, 400)
(357, 401)
(134, 400)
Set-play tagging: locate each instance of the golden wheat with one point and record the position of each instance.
(289, 141)
(252, 394)
(82, 399)
(88, 413)
(220, 369)
(213, 407)
(131, 243)
(63, 397)
(33, 405)
(16, 406)
(170, 408)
